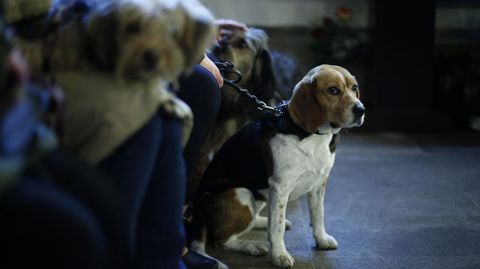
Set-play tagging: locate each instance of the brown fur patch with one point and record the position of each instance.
(225, 216)
(304, 108)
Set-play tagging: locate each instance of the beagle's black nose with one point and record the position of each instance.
(358, 109)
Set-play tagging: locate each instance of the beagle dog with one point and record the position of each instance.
(276, 160)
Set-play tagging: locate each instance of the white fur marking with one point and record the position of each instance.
(299, 166)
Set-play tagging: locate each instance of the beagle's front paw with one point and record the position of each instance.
(326, 241)
(283, 260)
(257, 248)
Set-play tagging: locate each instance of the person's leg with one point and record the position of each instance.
(160, 218)
(131, 167)
(98, 193)
(150, 171)
(201, 92)
(44, 227)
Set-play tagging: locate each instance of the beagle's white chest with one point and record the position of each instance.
(300, 165)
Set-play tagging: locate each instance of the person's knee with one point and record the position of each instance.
(205, 88)
(212, 91)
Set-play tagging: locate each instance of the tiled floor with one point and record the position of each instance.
(392, 202)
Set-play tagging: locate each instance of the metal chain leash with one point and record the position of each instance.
(227, 68)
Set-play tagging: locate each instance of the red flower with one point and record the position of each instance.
(344, 13)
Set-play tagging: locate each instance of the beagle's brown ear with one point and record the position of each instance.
(304, 108)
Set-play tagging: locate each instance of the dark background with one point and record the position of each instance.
(417, 61)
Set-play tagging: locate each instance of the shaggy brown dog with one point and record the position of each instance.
(248, 52)
(135, 40)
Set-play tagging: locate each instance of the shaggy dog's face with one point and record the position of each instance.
(145, 46)
(247, 51)
(141, 40)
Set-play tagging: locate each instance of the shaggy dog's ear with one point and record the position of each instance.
(193, 29)
(263, 76)
(102, 37)
(196, 37)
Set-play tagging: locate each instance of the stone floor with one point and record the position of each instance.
(393, 201)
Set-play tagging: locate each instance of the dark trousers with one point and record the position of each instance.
(202, 94)
(43, 226)
(97, 192)
(150, 172)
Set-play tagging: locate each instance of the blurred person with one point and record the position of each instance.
(201, 90)
(44, 224)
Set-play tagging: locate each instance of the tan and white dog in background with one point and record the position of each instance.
(110, 55)
(139, 39)
(276, 160)
(131, 39)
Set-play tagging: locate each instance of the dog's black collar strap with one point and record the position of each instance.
(285, 124)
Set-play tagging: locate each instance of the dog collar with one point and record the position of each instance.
(286, 125)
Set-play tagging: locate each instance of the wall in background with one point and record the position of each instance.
(458, 18)
(275, 13)
(281, 13)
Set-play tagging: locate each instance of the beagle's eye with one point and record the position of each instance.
(242, 44)
(133, 28)
(333, 90)
(355, 88)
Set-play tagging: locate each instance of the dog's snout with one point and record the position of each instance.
(358, 109)
(150, 59)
